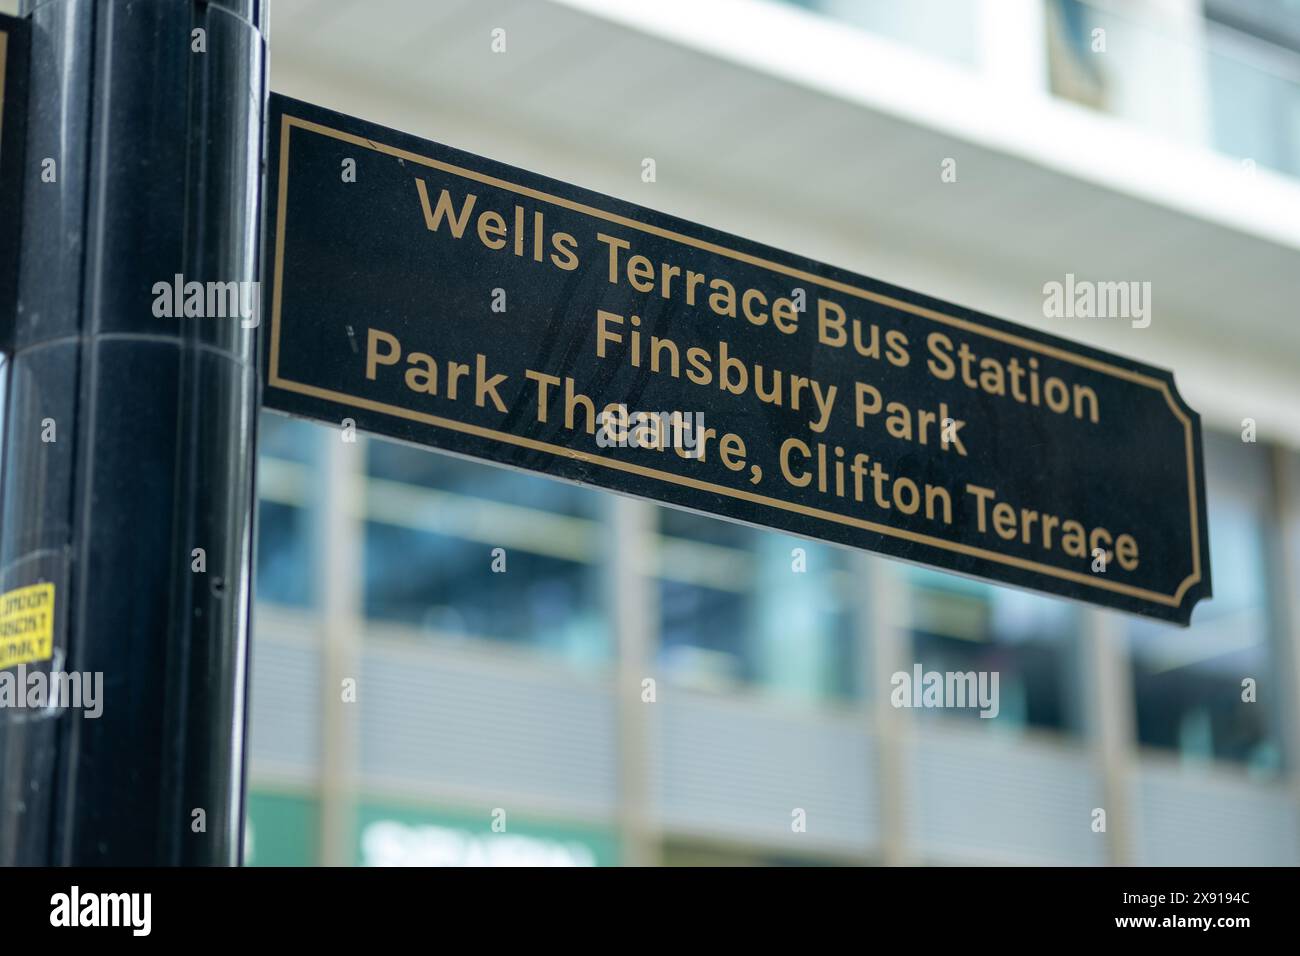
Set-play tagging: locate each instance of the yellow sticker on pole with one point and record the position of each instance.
(27, 625)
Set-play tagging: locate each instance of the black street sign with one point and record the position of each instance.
(437, 297)
(13, 107)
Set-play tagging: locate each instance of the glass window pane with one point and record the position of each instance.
(396, 462)
(1188, 683)
(1029, 641)
(287, 532)
(743, 607)
(947, 29)
(469, 551)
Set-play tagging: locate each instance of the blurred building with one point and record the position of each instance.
(1155, 140)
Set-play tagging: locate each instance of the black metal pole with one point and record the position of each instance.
(137, 505)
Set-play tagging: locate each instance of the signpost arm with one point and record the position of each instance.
(129, 438)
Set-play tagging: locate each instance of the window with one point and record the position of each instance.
(1254, 79)
(286, 511)
(1188, 684)
(1031, 642)
(743, 607)
(1073, 69)
(464, 550)
(947, 29)
(1230, 82)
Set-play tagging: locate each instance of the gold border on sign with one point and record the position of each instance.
(287, 123)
